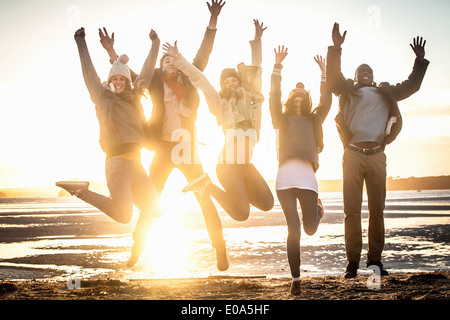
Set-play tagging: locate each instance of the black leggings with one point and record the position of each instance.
(311, 214)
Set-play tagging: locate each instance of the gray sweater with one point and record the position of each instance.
(122, 121)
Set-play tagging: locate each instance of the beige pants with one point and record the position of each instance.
(358, 168)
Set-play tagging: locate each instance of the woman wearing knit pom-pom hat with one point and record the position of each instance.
(237, 108)
(175, 103)
(300, 142)
(122, 136)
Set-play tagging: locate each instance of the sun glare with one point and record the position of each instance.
(169, 244)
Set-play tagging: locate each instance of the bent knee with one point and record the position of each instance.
(310, 230)
(124, 218)
(240, 214)
(266, 204)
(124, 215)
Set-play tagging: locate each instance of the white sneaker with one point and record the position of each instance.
(198, 184)
(73, 187)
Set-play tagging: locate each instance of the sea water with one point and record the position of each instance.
(56, 237)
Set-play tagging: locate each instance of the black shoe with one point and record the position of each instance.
(351, 270)
(382, 272)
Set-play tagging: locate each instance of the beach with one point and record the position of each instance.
(62, 249)
(398, 286)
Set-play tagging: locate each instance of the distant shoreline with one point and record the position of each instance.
(326, 185)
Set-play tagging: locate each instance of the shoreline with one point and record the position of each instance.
(397, 286)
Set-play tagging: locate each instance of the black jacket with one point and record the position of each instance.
(342, 87)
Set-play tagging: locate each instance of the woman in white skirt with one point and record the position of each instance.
(300, 142)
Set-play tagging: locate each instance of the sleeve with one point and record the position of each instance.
(143, 80)
(91, 78)
(199, 80)
(324, 106)
(412, 84)
(275, 104)
(335, 80)
(256, 47)
(203, 53)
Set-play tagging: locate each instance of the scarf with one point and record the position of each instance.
(177, 87)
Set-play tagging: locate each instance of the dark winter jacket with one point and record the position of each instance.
(343, 87)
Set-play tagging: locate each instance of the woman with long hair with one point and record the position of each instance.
(300, 142)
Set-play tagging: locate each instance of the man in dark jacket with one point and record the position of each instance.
(368, 119)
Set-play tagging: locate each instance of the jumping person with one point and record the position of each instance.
(300, 142)
(175, 102)
(368, 119)
(122, 136)
(237, 108)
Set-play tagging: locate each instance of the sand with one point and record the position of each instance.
(396, 286)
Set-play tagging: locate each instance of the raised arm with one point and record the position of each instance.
(412, 84)
(256, 47)
(107, 43)
(275, 105)
(202, 57)
(196, 77)
(215, 7)
(256, 43)
(325, 94)
(91, 78)
(142, 81)
(335, 79)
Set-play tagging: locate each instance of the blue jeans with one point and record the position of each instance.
(128, 184)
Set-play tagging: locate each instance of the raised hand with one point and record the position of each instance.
(153, 35)
(106, 41)
(338, 39)
(418, 47)
(170, 50)
(280, 54)
(80, 33)
(215, 7)
(321, 62)
(259, 29)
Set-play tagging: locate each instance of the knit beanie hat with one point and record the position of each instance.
(226, 73)
(299, 91)
(120, 68)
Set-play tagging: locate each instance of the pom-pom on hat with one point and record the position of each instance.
(299, 91)
(120, 68)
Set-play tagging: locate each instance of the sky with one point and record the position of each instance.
(48, 126)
